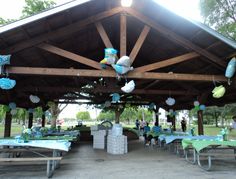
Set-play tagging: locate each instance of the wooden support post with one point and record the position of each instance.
(157, 116)
(200, 122)
(7, 129)
(43, 119)
(174, 123)
(30, 123)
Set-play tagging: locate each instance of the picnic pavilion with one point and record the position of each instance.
(55, 55)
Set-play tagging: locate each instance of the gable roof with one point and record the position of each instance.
(44, 40)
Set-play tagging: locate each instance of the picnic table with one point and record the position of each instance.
(36, 146)
(208, 148)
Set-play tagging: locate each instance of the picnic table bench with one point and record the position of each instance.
(37, 147)
(52, 162)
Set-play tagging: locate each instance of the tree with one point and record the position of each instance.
(31, 7)
(214, 112)
(83, 115)
(34, 6)
(55, 109)
(129, 113)
(221, 15)
(6, 21)
(108, 115)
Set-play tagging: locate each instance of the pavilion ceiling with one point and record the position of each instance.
(56, 57)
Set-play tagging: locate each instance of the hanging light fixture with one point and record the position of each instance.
(126, 3)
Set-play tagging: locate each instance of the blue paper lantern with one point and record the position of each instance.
(12, 105)
(230, 70)
(115, 97)
(6, 83)
(4, 59)
(202, 107)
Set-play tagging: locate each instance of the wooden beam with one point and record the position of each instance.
(103, 35)
(63, 31)
(200, 122)
(143, 91)
(139, 43)
(186, 86)
(175, 37)
(112, 74)
(8, 122)
(70, 55)
(108, 90)
(168, 62)
(152, 84)
(123, 35)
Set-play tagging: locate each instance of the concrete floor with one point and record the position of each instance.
(83, 162)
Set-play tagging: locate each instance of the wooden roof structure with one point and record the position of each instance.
(56, 55)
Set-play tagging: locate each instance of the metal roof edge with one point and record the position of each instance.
(41, 15)
(216, 34)
(204, 27)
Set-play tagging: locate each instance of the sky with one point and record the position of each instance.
(11, 9)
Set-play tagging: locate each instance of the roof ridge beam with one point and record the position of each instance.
(175, 37)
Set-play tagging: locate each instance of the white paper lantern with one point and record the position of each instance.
(13, 111)
(124, 61)
(196, 103)
(170, 101)
(34, 99)
(107, 104)
(129, 87)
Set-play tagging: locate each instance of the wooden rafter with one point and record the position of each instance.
(112, 74)
(72, 28)
(168, 62)
(70, 55)
(123, 35)
(152, 84)
(139, 43)
(103, 35)
(148, 92)
(186, 86)
(107, 90)
(175, 37)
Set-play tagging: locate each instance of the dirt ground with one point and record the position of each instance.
(83, 162)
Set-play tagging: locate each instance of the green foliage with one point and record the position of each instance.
(108, 115)
(6, 21)
(21, 113)
(2, 112)
(83, 115)
(34, 6)
(38, 112)
(130, 113)
(221, 15)
(214, 113)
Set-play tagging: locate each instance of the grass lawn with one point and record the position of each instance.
(208, 130)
